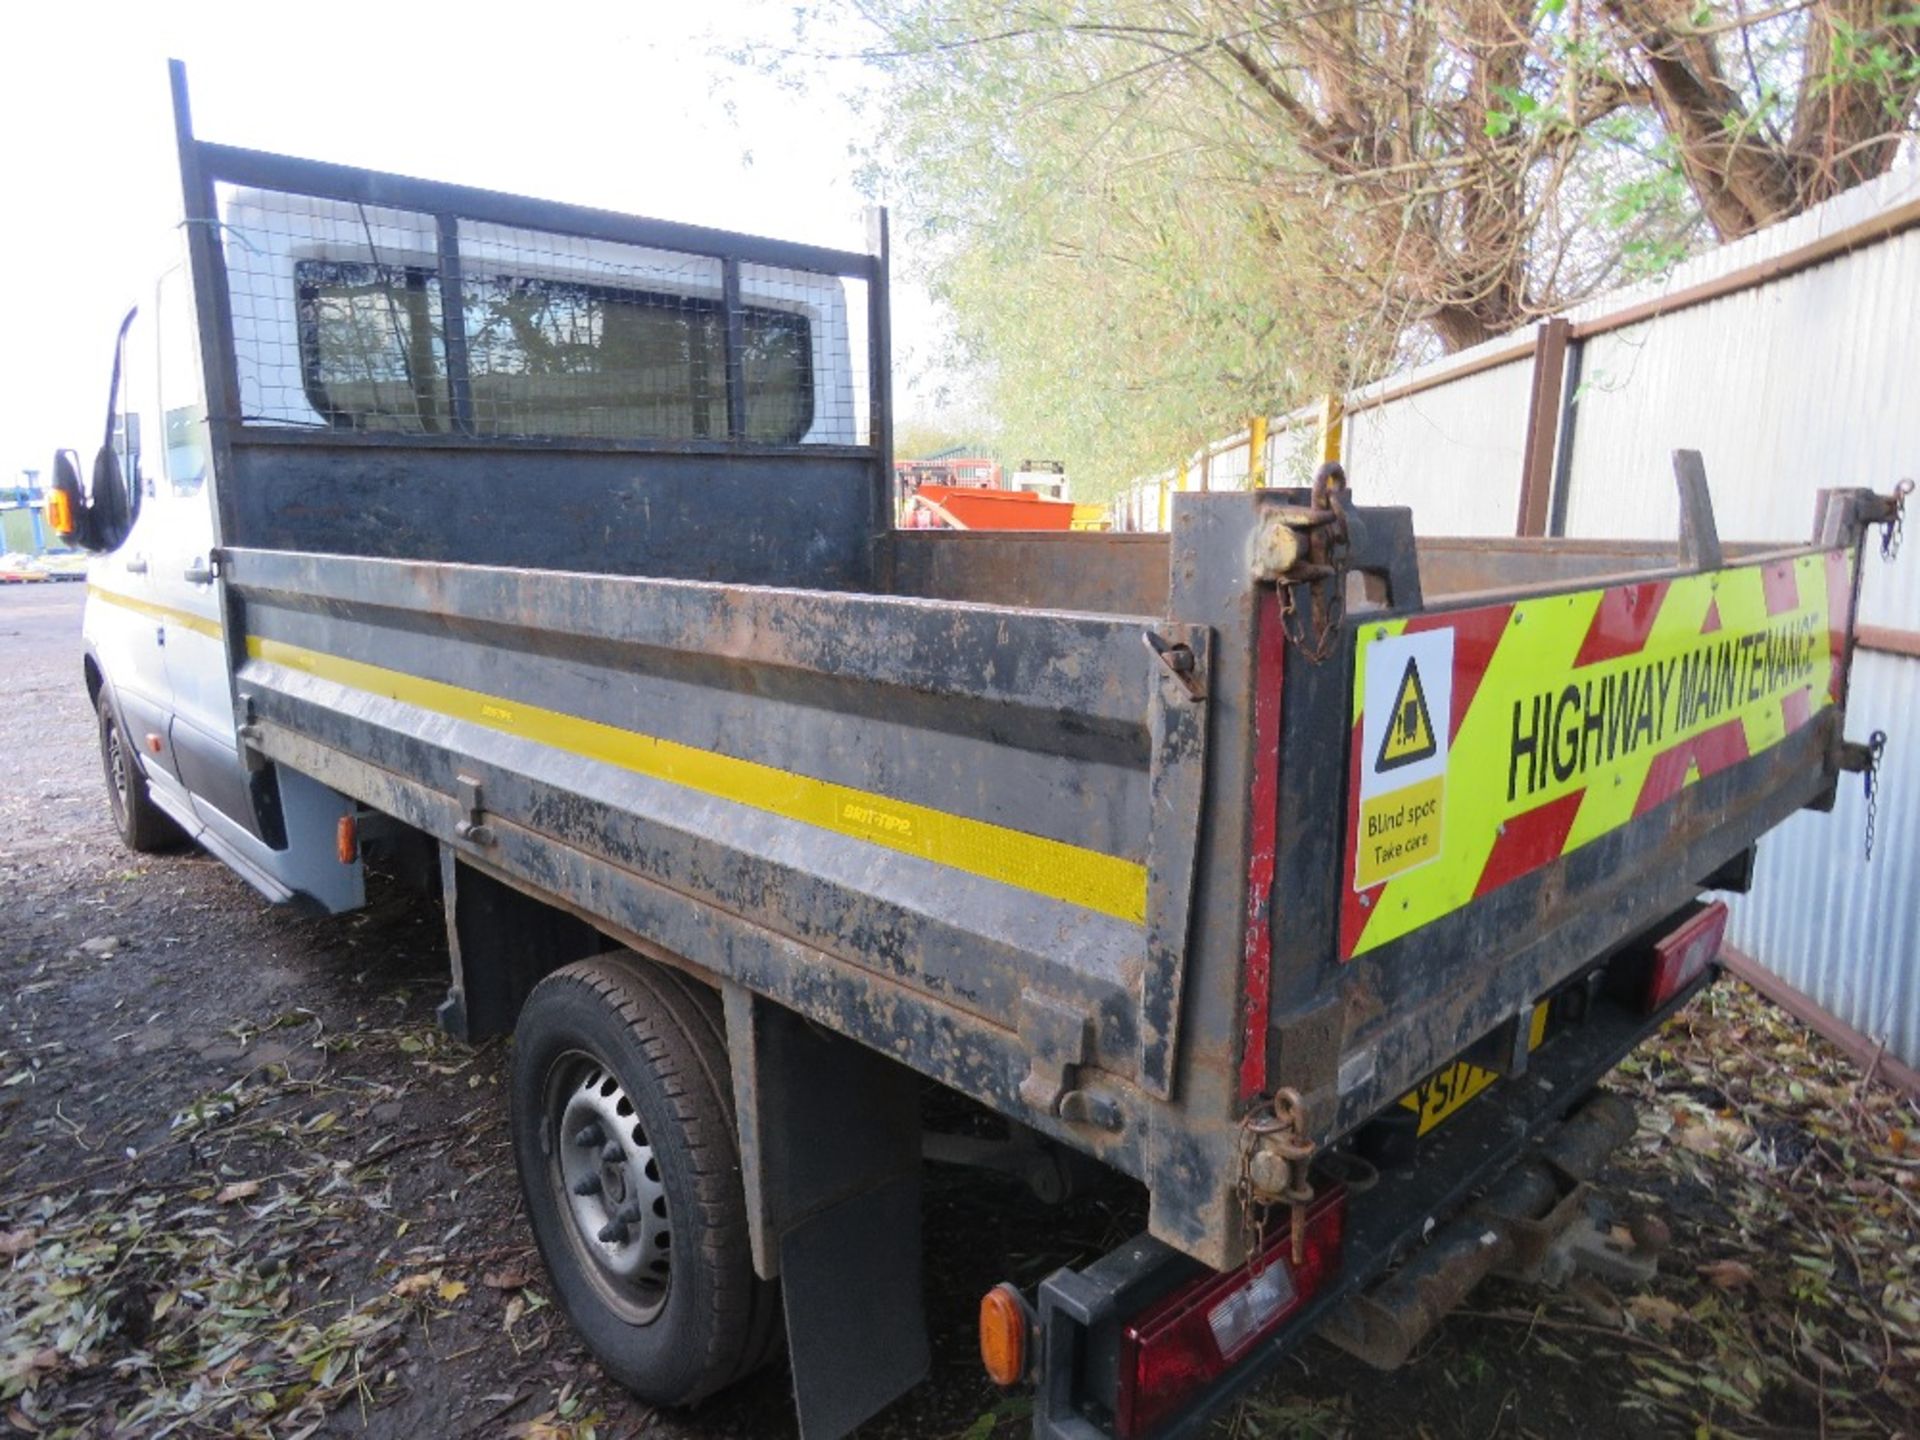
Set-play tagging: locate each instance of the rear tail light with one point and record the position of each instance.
(1188, 1339)
(1683, 953)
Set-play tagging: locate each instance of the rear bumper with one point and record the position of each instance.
(1082, 1313)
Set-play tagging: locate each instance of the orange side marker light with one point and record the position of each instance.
(1004, 1327)
(346, 839)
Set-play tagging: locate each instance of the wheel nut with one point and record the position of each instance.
(587, 1135)
(589, 1186)
(613, 1154)
(614, 1232)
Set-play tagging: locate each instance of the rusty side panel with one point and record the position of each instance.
(1457, 566)
(454, 697)
(1114, 574)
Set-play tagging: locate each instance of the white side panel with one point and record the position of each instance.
(1802, 384)
(1452, 453)
(1824, 920)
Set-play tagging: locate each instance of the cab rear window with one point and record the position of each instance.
(544, 357)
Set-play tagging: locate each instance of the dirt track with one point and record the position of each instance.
(245, 1186)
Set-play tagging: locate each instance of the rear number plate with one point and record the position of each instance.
(1447, 1093)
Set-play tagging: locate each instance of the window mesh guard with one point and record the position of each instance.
(355, 317)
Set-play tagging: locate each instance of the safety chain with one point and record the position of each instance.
(1876, 747)
(1896, 522)
(1314, 631)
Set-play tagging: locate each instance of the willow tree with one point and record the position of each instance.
(1152, 216)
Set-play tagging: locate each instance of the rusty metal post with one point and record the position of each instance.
(1543, 426)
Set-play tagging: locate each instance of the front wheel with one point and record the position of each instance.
(623, 1130)
(143, 826)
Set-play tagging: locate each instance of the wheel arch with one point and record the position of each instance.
(95, 677)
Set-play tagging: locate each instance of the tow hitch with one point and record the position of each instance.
(1533, 1224)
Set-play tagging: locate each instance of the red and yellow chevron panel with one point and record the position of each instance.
(1489, 742)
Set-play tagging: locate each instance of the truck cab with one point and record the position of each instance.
(156, 659)
(338, 327)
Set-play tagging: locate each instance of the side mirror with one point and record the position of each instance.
(67, 510)
(111, 506)
(96, 518)
(101, 518)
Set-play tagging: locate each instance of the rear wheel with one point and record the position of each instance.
(623, 1129)
(141, 823)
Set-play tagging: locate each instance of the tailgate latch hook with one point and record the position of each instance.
(474, 827)
(1180, 662)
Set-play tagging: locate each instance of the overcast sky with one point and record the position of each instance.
(626, 104)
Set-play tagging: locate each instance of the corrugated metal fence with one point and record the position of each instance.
(1791, 361)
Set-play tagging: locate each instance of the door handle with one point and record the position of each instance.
(136, 564)
(198, 574)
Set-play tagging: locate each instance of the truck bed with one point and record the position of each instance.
(980, 825)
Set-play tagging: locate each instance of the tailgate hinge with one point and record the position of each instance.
(1302, 550)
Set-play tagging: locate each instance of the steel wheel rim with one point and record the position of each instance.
(607, 1186)
(116, 765)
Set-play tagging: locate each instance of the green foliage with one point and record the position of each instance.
(1152, 219)
(918, 439)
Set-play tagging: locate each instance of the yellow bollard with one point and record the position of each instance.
(1256, 452)
(1332, 438)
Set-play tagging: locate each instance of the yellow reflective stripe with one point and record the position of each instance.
(1053, 868)
(186, 619)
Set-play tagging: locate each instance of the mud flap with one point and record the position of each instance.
(501, 941)
(830, 1156)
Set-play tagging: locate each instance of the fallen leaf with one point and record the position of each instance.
(239, 1190)
(28, 1365)
(513, 1278)
(451, 1290)
(417, 1284)
(1655, 1311)
(1697, 1138)
(12, 1242)
(1727, 1274)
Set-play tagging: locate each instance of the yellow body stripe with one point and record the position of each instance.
(186, 619)
(1106, 883)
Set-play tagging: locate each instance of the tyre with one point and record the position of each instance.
(143, 825)
(623, 1131)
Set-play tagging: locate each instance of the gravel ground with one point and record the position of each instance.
(247, 1188)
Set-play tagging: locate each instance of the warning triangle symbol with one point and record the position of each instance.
(1409, 734)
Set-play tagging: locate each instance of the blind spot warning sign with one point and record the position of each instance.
(1405, 720)
(1409, 736)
